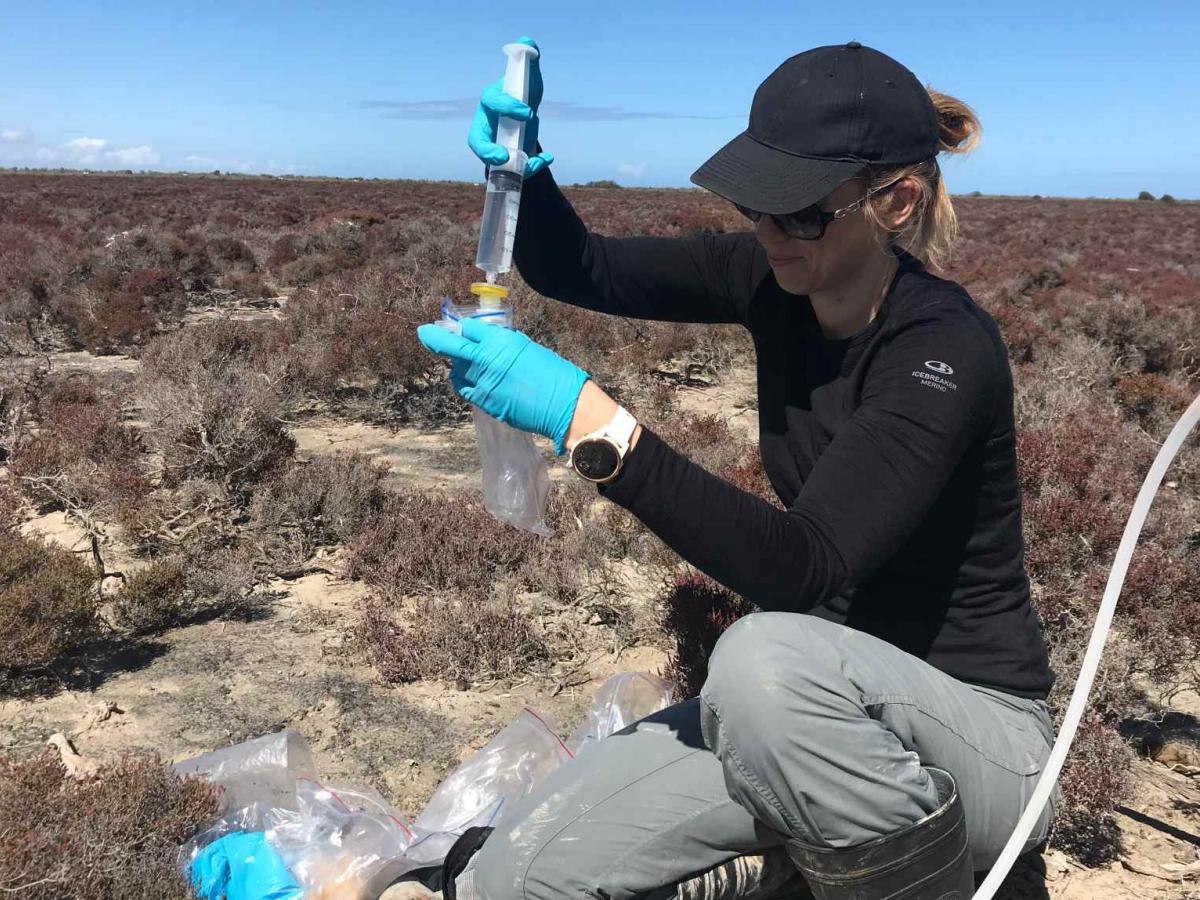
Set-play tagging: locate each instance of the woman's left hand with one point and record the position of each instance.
(510, 377)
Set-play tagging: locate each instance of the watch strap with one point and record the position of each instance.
(620, 429)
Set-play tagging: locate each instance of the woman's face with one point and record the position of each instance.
(802, 267)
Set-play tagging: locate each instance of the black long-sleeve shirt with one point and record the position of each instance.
(893, 451)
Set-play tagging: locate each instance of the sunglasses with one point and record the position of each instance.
(807, 224)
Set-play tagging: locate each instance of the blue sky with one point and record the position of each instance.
(1076, 99)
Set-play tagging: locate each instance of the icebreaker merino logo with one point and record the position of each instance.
(936, 381)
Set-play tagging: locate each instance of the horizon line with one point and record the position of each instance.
(602, 184)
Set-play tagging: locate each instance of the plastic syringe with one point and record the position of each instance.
(498, 228)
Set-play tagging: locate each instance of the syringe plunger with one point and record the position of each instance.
(510, 133)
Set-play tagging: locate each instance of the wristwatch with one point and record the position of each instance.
(598, 456)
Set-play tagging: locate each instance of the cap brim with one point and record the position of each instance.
(768, 180)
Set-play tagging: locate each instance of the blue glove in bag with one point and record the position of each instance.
(496, 103)
(243, 866)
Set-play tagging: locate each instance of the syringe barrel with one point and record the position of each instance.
(510, 133)
(498, 227)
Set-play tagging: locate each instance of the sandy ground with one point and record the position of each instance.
(292, 665)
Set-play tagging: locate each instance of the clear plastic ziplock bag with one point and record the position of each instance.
(286, 835)
(263, 770)
(344, 843)
(516, 479)
(483, 788)
(619, 702)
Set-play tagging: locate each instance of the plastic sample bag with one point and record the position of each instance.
(330, 841)
(218, 857)
(348, 843)
(481, 789)
(516, 482)
(516, 479)
(343, 843)
(262, 770)
(618, 703)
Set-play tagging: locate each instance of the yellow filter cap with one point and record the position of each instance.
(483, 289)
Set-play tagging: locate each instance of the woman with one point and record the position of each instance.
(883, 721)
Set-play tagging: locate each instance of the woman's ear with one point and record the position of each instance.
(900, 203)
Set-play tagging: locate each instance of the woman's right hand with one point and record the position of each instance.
(496, 103)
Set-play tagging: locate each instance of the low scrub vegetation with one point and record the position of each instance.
(48, 602)
(112, 834)
(154, 598)
(448, 636)
(696, 612)
(194, 468)
(447, 577)
(212, 412)
(326, 500)
(431, 543)
(84, 457)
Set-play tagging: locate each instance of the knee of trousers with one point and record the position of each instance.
(767, 668)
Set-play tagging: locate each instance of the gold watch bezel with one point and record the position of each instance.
(607, 440)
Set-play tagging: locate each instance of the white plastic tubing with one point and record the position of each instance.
(1091, 659)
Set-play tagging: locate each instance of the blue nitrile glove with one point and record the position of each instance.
(496, 103)
(510, 377)
(243, 866)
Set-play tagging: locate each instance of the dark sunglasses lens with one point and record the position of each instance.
(805, 223)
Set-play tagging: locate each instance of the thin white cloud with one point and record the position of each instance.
(632, 170)
(86, 144)
(142, 155)
(94, 151)
(19, 147)
(78, 151)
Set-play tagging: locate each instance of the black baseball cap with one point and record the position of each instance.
(819, 119)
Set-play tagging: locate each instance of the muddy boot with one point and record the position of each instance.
(766, 876)
(928, 860)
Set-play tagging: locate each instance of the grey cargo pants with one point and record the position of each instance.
(804, 729)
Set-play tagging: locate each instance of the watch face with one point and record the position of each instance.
(595, 459)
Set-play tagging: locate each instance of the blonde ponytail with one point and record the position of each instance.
(930, 232)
